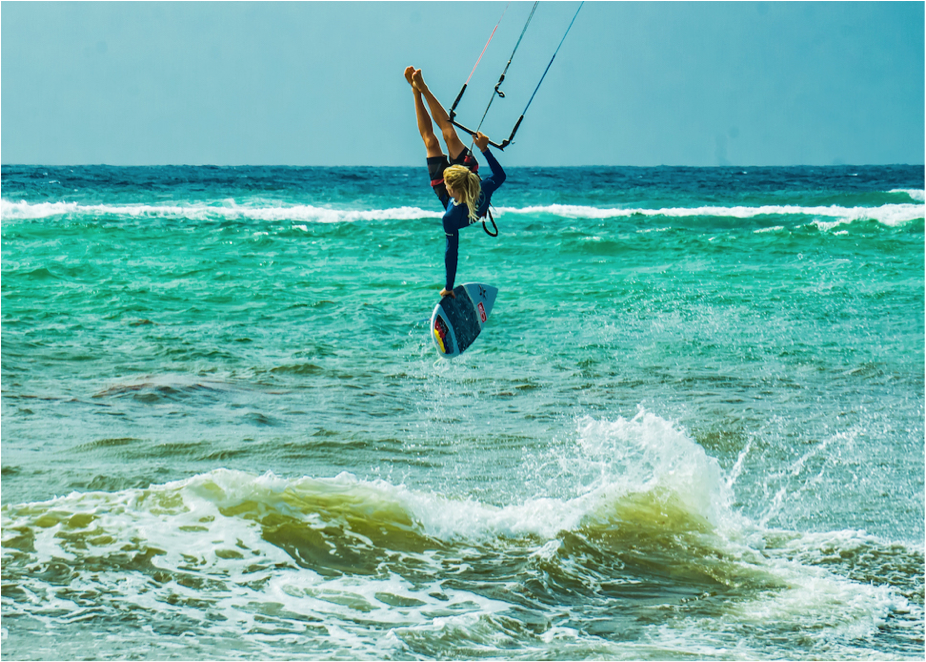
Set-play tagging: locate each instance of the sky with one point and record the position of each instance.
(321, 83)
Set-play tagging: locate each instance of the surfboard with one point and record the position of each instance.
(457, 321)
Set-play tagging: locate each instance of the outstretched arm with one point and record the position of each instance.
(491, 183)
(498, 175)
(451, 254)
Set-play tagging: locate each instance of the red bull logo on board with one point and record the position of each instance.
(441, 333)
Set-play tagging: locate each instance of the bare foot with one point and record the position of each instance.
(418, 81)
(408, 75)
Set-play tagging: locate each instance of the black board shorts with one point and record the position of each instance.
(437, 165)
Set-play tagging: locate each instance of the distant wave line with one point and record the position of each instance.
(891, 214)
(31, 211)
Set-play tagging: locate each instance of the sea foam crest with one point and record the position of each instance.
(616, 466)
(623, 471)
(305, 213)
(916, 194)
(890, 215)
(645, 489)
(648, 454)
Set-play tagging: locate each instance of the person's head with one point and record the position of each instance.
(464, 186)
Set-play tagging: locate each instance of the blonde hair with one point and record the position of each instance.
(468, 184)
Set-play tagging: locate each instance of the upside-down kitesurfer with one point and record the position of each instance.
(464, 196)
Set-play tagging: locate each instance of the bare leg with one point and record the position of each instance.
(454, 145)
(425, 128)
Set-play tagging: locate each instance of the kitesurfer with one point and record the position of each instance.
(464, 196)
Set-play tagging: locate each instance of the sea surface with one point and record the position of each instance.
(692, 428)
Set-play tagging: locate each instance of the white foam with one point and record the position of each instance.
(613, 466)
(255, 585)
(228, 211)
(916, 194)
(826, 608)
(890, 215)
(826, 217)
(613, 460)
(28, 211)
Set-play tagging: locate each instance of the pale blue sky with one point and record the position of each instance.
(320, 83)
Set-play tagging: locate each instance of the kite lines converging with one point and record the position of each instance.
(497, 92)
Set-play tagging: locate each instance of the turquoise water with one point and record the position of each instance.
(693, 425)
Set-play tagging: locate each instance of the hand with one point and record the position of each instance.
(481, 140)
(448, 293)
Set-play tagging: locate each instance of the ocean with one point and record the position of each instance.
(692, 428)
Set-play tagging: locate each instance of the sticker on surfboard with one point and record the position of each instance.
(458, 320)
